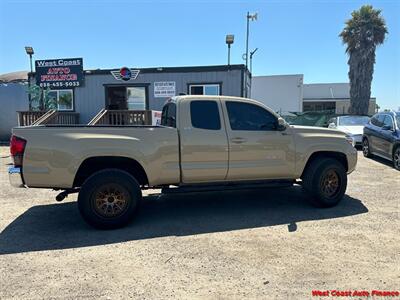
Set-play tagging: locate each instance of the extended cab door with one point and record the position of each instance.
(203, 141)
(257, 149)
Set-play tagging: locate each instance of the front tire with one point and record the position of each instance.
(109, 199)
(325, 181)
(396, 158)
(365, 148)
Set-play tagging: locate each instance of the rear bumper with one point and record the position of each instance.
(15, 177)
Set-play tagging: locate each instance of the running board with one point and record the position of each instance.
(214, 187)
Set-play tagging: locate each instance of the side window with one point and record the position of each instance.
(380, 118)
(388, 121)
(246, 116)
(377, 120)
(205, 115)
(168, 116)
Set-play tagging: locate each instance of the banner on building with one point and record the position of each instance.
(60, 73)
(164, 89)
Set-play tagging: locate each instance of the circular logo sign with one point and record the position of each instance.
(125, 73)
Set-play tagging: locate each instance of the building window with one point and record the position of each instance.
(63, 98)
(136, 98)
(204, 89)
(319, 106)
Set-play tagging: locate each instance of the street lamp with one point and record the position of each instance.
(30, 52)
(229, 41)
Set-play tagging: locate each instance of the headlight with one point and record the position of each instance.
(351, 140)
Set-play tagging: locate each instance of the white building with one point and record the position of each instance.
(287, 93)
(282, 93)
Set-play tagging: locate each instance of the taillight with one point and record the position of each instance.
(17, 148)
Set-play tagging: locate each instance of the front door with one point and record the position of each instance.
(257, 150)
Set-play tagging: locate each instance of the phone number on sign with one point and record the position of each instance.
(59, 84)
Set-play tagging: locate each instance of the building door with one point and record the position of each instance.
(116, 98)
(126, 98)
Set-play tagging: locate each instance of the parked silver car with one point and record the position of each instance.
(353, 126)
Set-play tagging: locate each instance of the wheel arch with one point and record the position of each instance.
(339, 156)
(395, 146)
(97, 163)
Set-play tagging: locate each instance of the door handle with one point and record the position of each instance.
(238, 140)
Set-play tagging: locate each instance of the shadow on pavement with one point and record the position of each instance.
(383, 161)
(59, 226)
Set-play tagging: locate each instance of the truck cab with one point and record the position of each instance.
(228, 139)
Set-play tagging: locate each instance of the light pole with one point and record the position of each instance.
(30, 52)
(229, 41)
(249, 17)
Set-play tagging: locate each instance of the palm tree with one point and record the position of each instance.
(362, 34)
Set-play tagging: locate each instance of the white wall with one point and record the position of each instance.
(326, 90)
(282, 93)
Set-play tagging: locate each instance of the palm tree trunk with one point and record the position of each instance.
(360, 75)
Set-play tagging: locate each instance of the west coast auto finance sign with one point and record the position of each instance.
(59, 73)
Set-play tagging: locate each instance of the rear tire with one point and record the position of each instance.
(396, 158)
(365, 148)
(325, 181)
(109, 199)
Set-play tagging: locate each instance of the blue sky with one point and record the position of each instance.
(292, 36)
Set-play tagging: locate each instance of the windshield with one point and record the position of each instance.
(353, 120)
(398, 119)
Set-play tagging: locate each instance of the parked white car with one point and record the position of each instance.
(353, 126)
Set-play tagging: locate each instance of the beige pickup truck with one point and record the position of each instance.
(203, 143)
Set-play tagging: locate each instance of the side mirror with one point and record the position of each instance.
(387, 127)
(331, 125)
(281, 124)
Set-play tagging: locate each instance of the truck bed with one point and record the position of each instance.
(54, 152)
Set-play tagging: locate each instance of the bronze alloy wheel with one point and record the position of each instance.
(396, 158)
(330, 183)
(111, 200)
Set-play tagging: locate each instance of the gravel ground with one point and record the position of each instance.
(268, 244)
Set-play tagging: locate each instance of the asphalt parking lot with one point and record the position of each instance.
(268, 243)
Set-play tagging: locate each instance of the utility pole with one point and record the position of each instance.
(249, 17)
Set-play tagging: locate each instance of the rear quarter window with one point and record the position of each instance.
(205, 115)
